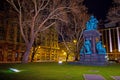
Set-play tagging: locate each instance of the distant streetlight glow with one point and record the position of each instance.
(74, 41)
(64, 53)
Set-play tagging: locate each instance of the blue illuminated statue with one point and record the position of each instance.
(92, 51)
(86, 47)
(100, 48)
(92, 23)
(82, 50)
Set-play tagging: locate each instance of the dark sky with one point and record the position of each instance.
(1, 4)
(98, 8)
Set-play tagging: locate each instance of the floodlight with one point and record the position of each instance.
(60, 62)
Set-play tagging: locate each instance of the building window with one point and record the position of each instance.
(2, 33)
(11, 34)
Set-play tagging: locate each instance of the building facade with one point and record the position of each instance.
(111, 40)
(47, 48)
(11, 43)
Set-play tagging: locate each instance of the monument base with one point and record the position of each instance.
(93, 59)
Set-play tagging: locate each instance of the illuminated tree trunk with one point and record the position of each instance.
(26, 54)
(33, 54)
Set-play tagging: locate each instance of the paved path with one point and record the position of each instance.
(93, 77)
(116, 77)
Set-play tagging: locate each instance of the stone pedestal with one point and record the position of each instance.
(91, 59)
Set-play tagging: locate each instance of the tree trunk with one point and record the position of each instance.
(77, 57)
(26, 54)
(33, 53)
(32, 57)
(66, 58)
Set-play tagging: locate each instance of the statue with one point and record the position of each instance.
(92, 52)
(88, 26)
(92, 23)
(86, 48)
(100, 48)
(82, 50)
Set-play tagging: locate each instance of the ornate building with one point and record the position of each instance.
(111, 40)
(11, 43)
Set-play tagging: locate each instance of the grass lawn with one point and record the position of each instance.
(55, 71)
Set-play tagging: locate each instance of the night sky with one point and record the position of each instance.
(1, 5)
(98, 8)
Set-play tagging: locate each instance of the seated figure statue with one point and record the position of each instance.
(82, 50)
(100, 48)
(87, 46)
(88, 27)
(92, 23)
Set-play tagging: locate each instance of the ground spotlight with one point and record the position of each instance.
(14, 70)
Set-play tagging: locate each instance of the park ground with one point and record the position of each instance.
(55, 71)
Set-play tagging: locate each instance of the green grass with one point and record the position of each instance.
(55, 71)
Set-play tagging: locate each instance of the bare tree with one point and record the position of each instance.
(72, 32)
(35, 16)
(114, 14)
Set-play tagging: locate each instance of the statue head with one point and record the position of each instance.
(100, 48)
